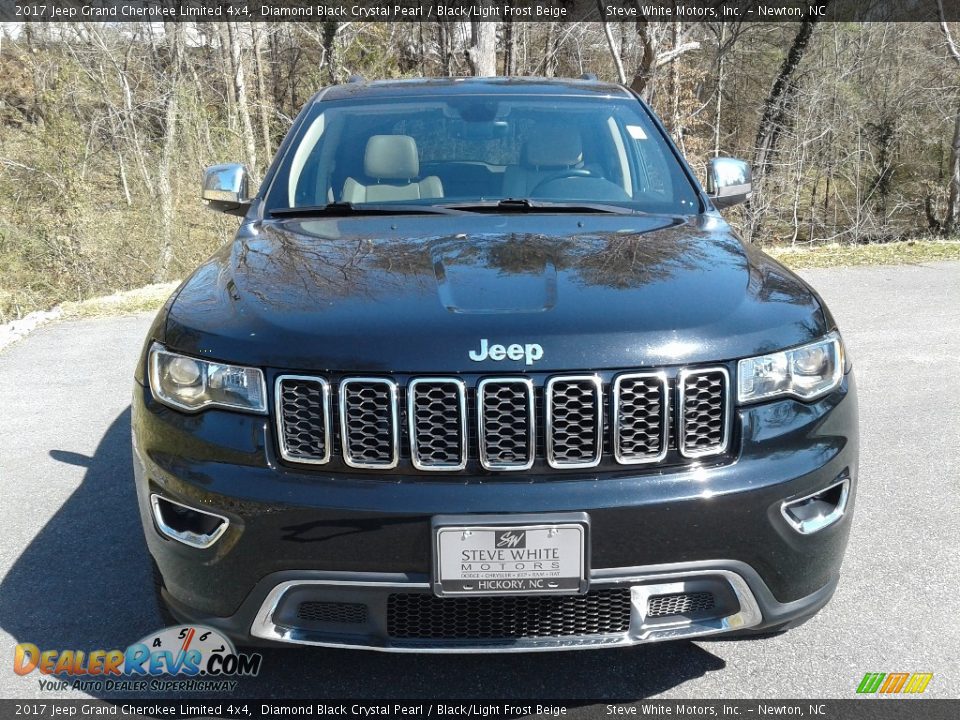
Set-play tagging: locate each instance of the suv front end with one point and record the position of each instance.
(492, 427)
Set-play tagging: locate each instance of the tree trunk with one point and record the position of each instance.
(174, 37)
(777, 104)
(243, 107)
(773, 122)
(510, 50)
(718, 114)
(952, 222)
(612, 45)
(642, 82)
(261, 89)
(482, 53)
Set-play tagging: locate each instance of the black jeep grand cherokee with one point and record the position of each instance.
(484, 369)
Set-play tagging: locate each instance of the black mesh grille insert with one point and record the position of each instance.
(641, 417)
(426, 617)
(507, 423)
(303, 411)
(437, 411)
(333, 612)
(704, 413)
(679, 604)
(368, 422)
(575, 421)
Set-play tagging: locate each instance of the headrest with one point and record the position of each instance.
(554, 146)
(391, 157)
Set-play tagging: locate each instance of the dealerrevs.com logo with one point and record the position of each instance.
(203, 656)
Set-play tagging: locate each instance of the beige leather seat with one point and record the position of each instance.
(392, 161)
(553, 149)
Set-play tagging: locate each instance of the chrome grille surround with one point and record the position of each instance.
(491, 423)
(292, 425)
(439, 419)
(603, 419)
(697, 419)
(359, 443)
(625, 432)
(565, 412)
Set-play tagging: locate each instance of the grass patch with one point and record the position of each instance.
(128, 302)
(908, 252)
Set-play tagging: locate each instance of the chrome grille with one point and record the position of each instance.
(704, 412)
(368, 423)
(444, 424)
(507, 436)
(437, 415)
(303, 418)
(574, 421)
(640, 424)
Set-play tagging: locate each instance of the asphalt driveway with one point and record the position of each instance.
(74, 572)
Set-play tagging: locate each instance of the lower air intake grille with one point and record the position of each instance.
(679, 604)
(426, 617)
(333, 612)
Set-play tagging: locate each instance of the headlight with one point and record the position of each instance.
(805, 372)
(187, 383)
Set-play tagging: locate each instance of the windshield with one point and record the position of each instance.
(482, 148)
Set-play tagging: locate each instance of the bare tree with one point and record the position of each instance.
(243, 106)
(482, 53)
(952, 220)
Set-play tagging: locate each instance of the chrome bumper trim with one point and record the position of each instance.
(642, 630)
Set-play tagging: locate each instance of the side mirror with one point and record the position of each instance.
(728, 181)
(226, 189)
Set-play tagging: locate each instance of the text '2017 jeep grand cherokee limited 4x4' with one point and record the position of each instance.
(484, 369)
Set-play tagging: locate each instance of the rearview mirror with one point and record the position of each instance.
(729, 181)
(226, 189)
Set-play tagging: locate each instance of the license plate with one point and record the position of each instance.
(508, 559)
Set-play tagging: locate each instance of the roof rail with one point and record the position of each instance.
(588, 76)
(353, 79)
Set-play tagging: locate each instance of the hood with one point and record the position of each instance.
(419, 293)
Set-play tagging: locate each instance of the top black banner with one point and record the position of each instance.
(732, 11)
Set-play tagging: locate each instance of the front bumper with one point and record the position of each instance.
(347, 539)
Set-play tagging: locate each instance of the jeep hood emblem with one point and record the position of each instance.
(530, 352)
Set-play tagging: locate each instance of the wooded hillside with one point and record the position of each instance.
(853, 129)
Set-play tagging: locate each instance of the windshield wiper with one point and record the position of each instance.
(523, 205)
(345, 209)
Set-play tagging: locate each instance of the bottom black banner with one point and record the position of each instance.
(866, 709)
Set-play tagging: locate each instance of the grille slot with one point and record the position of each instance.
(303, 418)
(437, 415)
(680, 604)
(333, 612)
(507, 437)
(368, 423)
(640, 424)
(574, 421)
(425, 617)
(704, 407)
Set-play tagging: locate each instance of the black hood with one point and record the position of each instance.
(417, 293)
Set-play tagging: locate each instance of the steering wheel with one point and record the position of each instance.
(561, 175)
